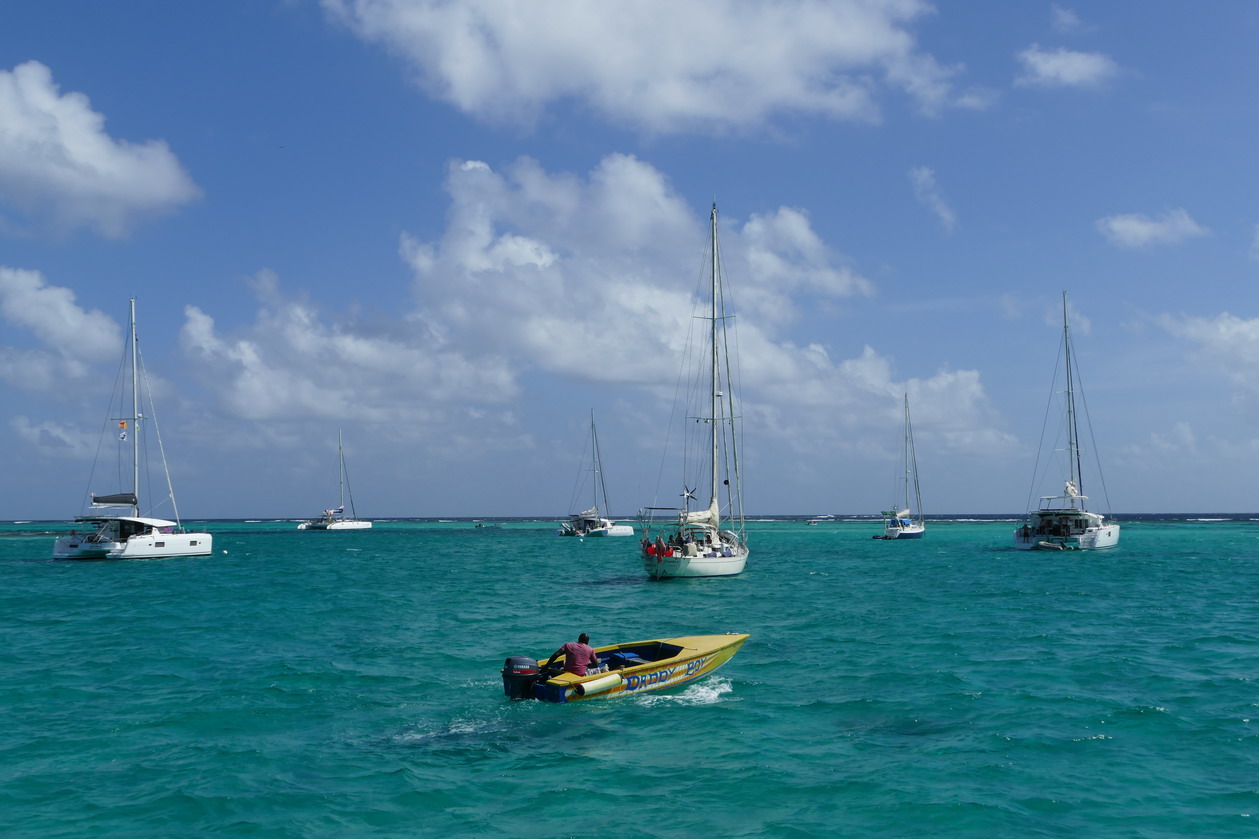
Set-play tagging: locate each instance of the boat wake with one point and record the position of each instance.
(461, 733)
(709, 692)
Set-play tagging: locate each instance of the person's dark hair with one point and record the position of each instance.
(583, 638)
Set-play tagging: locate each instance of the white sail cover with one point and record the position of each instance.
(709, 516)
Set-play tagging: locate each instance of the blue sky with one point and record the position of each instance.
(453, 229)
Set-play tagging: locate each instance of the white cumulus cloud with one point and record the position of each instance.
(295, 363)
(68, 338)
(1226, 337)
(659, 65)
(1134, 230)
(612, 302)
(539, 282)
(60, 167)
(594, 278)
(1064, 68)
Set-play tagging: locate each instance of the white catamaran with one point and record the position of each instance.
(694, 543)
(1063, 522)
(592, 522)
(132, 536)
(336, 519)
(904, 521)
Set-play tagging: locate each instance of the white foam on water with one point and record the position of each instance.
(707, 692)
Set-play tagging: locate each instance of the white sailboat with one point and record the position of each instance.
(904, 521)
(1064, 522)
(336, 519)
(132, 536)
(593, 522)
(698, 543)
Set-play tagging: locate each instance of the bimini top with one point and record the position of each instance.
(137, 519)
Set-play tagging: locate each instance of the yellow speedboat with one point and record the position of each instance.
(631, 669)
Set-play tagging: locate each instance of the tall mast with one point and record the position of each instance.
(596, 466)
(912, 465)
(1073, 439)
(135, 415)
(905, 444)
(341, 471)
(904, 447)
(714, 505)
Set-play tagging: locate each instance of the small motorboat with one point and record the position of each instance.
(627, 669)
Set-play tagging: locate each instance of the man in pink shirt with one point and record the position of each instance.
(577, 655)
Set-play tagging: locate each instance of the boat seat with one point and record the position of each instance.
(619, 660)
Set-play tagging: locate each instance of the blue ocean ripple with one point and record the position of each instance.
(330, 685)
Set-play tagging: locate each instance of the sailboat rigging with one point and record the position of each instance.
(132, 536)
(695, 543)
(904, 521)
(594, 521)
(1064, 522)
(335, 518)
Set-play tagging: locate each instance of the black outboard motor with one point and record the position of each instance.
(519, 674)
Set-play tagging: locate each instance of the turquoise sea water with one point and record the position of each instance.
(311, 684)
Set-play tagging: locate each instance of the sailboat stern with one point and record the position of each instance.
(1064, 522)
(904, 530)
(697, 551)
(79, 546)
(1069, 528)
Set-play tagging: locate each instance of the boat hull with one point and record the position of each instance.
(913, 531)
(145, 546)
(616, 530)
(596, 532)
(1092, 539)
(696, 657)
(335, 525)
(679, 564)
(1043, 534)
